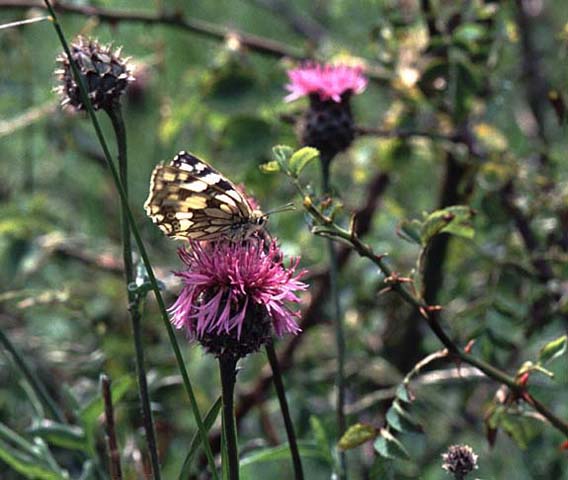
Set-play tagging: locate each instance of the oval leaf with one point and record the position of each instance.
(357, 435)
(389, 447)
(554, 349)
(401, 420)
(301, 159)
(282, 154)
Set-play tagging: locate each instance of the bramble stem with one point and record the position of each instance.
(227, 369)
(134, 299)
(281, 393)
(112, 444)
(325, 162)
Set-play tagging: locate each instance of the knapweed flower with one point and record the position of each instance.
(236, 294)
(459, 460)
(328, 82)
(328, 123)
(105, 74)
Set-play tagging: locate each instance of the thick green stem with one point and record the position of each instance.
(281, 393)
(115, 115)
(338, 322)
(140, 245)
(34, 381)
(227, 369)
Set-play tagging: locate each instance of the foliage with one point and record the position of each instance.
(457, 173)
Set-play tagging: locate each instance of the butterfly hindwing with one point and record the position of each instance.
(189, 199)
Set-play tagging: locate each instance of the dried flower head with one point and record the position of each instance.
(328, 82)
(328, 123)
(105, 74)
(235, 294)
(459, 460)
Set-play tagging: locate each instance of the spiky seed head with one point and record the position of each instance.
(105, 73)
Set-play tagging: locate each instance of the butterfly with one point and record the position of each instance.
(189, 199)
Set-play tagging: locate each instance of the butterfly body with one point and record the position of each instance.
(189, 199)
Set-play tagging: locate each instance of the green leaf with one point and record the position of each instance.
(66, 436)
(553, 350)
(402, 393)
(410, 231)
(455, 220)
(282, 452)
(401, 420)
(33, 461)
(93, 410)
(321, 438)
(208, 422)
(469, 32)
(301, 159)
(88, 472)
(270, 167)
(357, 435)
(389, 447)
(282, 154)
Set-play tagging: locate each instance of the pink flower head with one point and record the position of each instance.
(328, 81)
(224, 280)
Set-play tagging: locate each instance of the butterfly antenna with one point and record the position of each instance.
(284, 208)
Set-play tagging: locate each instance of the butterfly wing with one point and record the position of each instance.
(189, 199)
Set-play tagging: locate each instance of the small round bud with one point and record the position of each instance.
(459, 460)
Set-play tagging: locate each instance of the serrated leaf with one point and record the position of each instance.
(357, 435)
(455, 220)
(270, 167)
(208, 422)
(66, 436)
(401, 420)
(388, 446)
(553, 350)
(282, 154)
(301, 158)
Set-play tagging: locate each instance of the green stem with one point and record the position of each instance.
(33, 380)
(338, 322)
(227, 369)
(115, 115)
(139, 244)
(281, 393)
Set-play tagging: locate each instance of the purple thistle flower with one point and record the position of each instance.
(228, 285)
(329, 82)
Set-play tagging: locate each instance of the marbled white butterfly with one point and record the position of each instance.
(189, 199)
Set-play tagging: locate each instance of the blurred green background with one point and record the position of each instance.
(63, 302)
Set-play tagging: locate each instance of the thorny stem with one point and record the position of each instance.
(139, 244)
(431, 315)
(227, 369)
(325, 162)
(112, 444)
(115, 115)
(281, 393)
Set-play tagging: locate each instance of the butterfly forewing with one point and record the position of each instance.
(189, 199)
